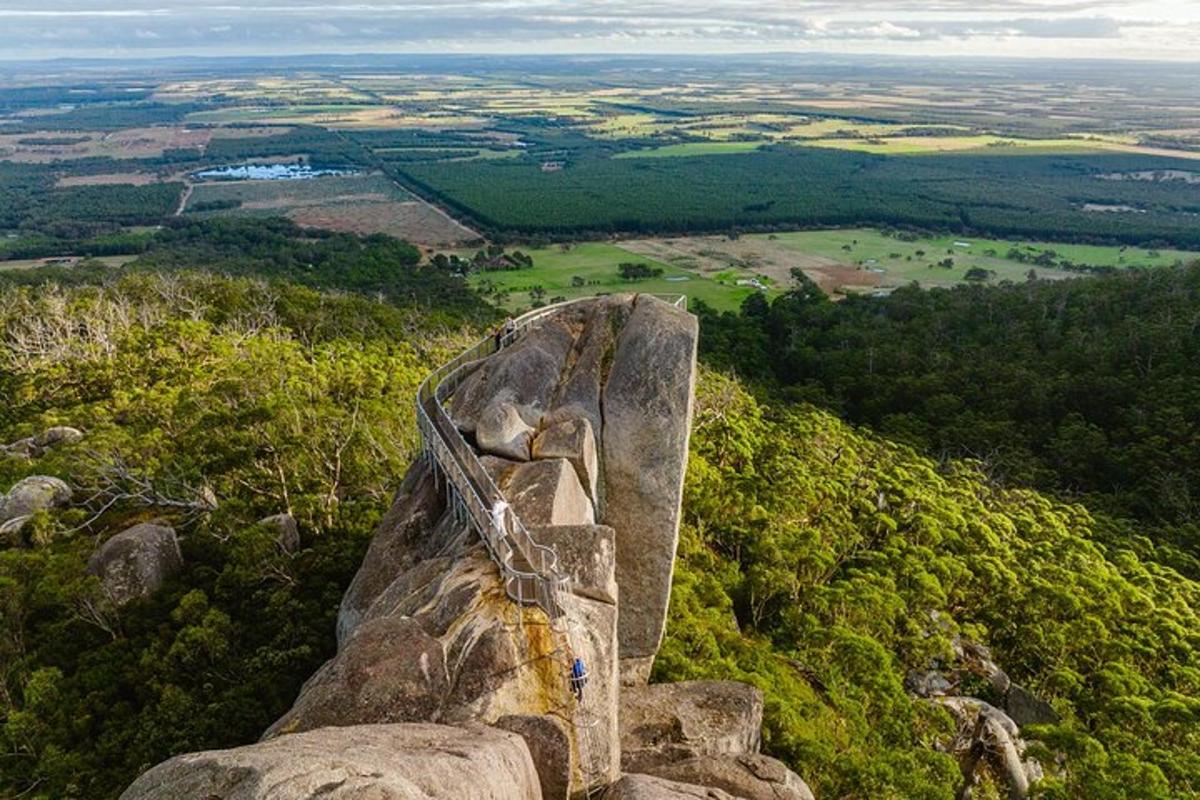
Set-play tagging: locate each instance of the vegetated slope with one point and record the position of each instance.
(1087, 387)
(190, 389)
(1037, 196)
(814, 559)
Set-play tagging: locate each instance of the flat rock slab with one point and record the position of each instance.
(587, 554)
(645, 787)
(548, 493)
(668, 722)
(752, 776)
(362, 762)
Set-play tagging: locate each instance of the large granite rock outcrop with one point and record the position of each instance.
(427, 633)
(375, 762)
(135, 563)
(623, 367)
(583, 426)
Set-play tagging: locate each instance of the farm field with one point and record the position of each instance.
(692, 149)
(354, 203)
(31, 263)
(850, 260)
(595, 263)
(987, 144)
(43, 147)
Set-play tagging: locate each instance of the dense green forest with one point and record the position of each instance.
(264, 397)
(1036, 196)
(1086, 388)
(814, 559)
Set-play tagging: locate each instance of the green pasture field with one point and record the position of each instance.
(693, 149)
(555, 266)
(872, 249)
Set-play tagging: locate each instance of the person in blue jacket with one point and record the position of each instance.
(579, 678)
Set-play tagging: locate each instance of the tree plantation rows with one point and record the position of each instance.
(1035, 196)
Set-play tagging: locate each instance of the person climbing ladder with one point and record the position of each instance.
(579, 678)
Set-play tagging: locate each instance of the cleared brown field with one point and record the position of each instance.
(413, 220)
(108, 179)
(128, 143)
(712, 254)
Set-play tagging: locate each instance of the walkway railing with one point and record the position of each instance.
(530, 571)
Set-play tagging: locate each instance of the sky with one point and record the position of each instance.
(1164, 29)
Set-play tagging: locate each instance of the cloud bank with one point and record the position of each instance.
(50, 28)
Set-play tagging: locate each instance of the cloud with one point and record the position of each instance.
(167, 26)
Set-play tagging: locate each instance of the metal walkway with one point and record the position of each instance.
(530, 571)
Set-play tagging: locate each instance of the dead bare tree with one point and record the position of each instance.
(114, 482)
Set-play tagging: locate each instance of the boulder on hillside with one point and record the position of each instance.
(500, 431)
(587, 554)
(32, 494)
(646, 787)
(574, 440)
(379, 762)
(550, 745)
(58, 435)
(669, 722)
(135, 563)
(524, 374)
(647, 409)
(548, 493)
(36, 446)
(1025, 708)
(287, 531)
(988, 741)
(750, 776)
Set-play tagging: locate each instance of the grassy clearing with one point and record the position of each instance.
(596, 263)
(898, 262)
(693, 149)
(985, 143)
